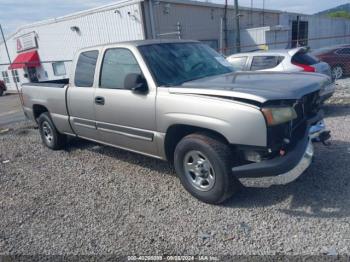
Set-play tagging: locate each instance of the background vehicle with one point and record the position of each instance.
(338, 57)
(2, 87)
(292, 60)
(181, 101)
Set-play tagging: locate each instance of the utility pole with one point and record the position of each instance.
(12, 73)
(251, 13)
(225, 26)
(263, 14)
(238, 30)
(221, 36)
(298, 30)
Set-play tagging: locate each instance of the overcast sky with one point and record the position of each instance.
(13, 14)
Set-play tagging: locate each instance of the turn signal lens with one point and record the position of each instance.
(278, 115)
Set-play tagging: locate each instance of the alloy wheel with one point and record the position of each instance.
(199, 171)
(337, 72)
(47, 132)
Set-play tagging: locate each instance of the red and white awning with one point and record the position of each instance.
(28, 59)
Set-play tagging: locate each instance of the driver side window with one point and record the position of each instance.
(117, 64)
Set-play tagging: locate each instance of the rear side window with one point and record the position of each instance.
(238, 63)
(265, 62)
(304, 59)
(85, 71)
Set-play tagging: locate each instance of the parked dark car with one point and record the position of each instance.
(2, 87)
(338, 57)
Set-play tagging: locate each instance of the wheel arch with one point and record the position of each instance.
(176, 132)
(38, 110)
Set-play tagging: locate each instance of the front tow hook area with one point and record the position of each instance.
(324, 137)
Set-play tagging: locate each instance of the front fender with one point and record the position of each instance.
(239, 123)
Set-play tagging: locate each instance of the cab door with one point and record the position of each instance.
(124, 118)
(80, 96)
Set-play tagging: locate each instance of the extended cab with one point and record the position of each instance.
(181, 101)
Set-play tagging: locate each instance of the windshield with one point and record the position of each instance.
(175, 63)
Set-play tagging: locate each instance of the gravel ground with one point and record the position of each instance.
(342, 94)
(92, 199)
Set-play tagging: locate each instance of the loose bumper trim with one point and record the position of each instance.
(317, 129)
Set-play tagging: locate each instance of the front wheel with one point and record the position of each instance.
(49, 134)
(203, 164)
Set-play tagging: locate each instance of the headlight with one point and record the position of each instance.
(278, 115)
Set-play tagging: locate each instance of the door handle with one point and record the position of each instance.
(99, 100)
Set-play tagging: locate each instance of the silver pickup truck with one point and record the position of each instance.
(181, 101)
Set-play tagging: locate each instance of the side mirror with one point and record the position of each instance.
(136, 83)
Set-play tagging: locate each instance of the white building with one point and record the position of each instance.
(43, 51)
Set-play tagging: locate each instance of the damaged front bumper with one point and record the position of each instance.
(287, 173)
(284, 169)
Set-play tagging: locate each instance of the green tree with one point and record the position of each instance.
(340, 14)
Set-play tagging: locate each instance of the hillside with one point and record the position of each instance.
(341, 8)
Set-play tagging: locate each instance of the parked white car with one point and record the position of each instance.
(286, 60)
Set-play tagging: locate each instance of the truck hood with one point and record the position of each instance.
(257, 86)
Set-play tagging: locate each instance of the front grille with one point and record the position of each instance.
(306, 108)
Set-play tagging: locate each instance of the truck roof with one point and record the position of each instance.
(144, 42)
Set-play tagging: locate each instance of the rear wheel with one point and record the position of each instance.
(337, 72)
(203, 164)
(1, 92)
(49, 134)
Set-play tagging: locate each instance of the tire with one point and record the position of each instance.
(49, 134)
(1, 92)
(337, 72)
(217, 183)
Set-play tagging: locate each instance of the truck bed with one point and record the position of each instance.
(50, 97)
(53, 83)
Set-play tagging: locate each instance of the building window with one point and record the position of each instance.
(5, 76)
(15, 76)
(59, 68)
